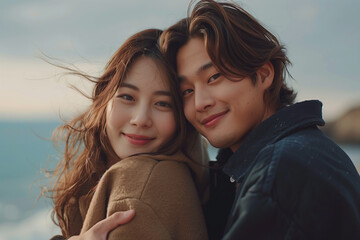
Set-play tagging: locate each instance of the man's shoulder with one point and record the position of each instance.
(293, 146)
(299, 155)
(309, 148)
(305, 156)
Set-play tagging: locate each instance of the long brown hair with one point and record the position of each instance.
(85, 142)
(237, 44)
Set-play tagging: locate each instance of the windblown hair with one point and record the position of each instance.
(86, 145)
(237, 44)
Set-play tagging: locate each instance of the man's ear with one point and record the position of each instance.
(265, 75)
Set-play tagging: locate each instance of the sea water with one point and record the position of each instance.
(26, 149)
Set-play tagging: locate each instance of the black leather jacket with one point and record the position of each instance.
(293, 182)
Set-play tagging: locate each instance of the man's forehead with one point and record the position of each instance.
(192, 58)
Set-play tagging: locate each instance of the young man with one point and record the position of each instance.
(292, 181)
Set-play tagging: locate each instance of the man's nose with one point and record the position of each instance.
(203, 100)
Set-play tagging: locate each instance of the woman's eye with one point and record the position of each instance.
(164, 104)
(214, 77)
(187, 91)
(126, 97)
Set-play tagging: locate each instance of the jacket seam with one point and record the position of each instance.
(144, 184)
(147, 180)
(271, 170)
(147, 204)
(277, 150)
(143, 190)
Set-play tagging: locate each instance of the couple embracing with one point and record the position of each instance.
(135, 165)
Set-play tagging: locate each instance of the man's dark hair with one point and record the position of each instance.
(237, 44)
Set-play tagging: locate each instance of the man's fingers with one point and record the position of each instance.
(122, 217)
(114, 220)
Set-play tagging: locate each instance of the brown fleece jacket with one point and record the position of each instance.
(163, 193)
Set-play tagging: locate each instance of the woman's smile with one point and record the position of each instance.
(138, 139)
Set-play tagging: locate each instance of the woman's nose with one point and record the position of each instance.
(141, 116)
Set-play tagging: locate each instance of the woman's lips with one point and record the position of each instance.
(138, 139)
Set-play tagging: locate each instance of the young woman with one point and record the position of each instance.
(132, 149)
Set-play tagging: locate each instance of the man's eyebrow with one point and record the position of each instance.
(128, 85)
(203, 68)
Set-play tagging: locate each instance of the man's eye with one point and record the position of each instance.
(187, 91)
(214, 77)
(126, 97)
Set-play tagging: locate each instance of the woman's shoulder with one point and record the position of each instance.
(133, 162)
(133, 173)
(139, 169)
(143, 163)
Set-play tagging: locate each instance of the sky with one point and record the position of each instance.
(321, 36)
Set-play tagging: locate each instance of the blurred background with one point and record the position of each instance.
(321, 36)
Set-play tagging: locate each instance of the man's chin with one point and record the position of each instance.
(218, 143)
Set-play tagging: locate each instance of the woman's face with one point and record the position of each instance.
(140, 117)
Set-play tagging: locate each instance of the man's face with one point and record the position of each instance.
(222, 110)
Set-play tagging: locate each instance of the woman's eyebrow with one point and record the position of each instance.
(166, 93)
(128, 85)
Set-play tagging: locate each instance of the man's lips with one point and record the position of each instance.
(213, 119)
(138, 139)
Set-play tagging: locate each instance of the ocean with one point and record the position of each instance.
(26, 149)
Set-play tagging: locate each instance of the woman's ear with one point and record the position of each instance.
(265, 75)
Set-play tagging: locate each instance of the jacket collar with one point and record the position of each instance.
(280, 124)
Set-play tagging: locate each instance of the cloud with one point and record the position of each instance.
(62, 27)
(36, 90)
(306, 13)
(32, 12)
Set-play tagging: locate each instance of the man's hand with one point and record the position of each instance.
(101, 229)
